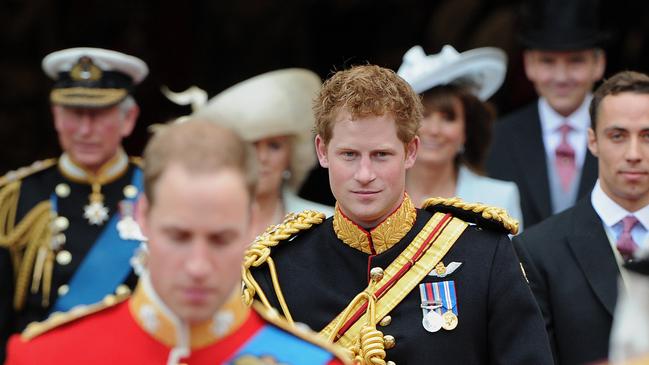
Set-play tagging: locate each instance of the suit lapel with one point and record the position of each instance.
(530, 151)
(588, 175)
(593, 253)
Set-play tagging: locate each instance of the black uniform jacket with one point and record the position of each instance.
(80, 236)
(518, 154)
(573, 274)
(498, 320)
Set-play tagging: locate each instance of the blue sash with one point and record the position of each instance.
(106, 265)
(283, 347)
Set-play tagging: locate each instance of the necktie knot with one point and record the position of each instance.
(565, 158)
(625, 243)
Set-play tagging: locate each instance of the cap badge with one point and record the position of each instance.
(85, 70)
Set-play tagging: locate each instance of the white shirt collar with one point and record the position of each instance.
(612, 213)
(579, 120)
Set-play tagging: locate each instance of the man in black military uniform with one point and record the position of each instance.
(386, 280)
(67, 231)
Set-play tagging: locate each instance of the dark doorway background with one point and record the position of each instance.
(215, 44)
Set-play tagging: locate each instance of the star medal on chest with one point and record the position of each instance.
(95, 211)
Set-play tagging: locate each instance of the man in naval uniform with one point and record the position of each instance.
(197, 211)
(67, 230)
(390, 282)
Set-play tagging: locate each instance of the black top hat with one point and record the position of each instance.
(561, 25)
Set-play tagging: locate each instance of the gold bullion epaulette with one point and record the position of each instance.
(137, 161)
(259, 251)
(485, 216)
(57, 319)
(25, 171)
(301, 331)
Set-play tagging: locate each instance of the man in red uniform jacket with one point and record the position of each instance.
(187, 307)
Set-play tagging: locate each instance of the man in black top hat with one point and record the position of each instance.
(67, 231)
(542, 147)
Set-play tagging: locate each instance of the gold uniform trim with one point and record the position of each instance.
(57, 319)
(87, 97)
(384, 236)
(494, 214)
(259, 254)
(28, 241)
(442, 243)
(23, 172)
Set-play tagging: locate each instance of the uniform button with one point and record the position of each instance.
(389, 341)
(390, 363)
(61, 223)
(63, 257)
(385, 321)
(130, 191)
(63, 290)
(122, 290)
(62, 190)
(376, 274)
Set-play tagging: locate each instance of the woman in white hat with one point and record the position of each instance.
(273, 112)
(456, 129)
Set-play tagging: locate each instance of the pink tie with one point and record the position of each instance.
(564, 160)
(625, 243)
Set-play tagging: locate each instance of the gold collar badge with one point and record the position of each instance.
(382, 237)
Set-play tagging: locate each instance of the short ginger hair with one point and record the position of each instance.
(364, 91)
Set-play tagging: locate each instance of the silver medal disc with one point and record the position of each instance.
(432, 321)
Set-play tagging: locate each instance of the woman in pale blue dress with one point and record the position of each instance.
(456, 129)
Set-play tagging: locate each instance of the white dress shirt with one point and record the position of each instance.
(579, 121)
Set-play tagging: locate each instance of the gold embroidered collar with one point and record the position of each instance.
(382, 237)
(110, 171)
(155, 318)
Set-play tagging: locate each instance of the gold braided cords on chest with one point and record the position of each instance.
(259, 253)
(494, 214)
(29, 244)
(384, 236)
(370, 347)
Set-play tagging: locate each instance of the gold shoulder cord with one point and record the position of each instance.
(494, 214)
(30, 238)
(259, 253)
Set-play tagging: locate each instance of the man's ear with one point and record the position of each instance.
(129, 120)
(529, 63)
(592, 142)
(411, 152)
(321, 150)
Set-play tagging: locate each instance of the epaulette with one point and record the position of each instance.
(259, 251)
(25, 171)
(136, 160)
(303, 332)
(484, 216)
(57, 319)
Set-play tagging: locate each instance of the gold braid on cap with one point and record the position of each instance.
(493, 214)
(259, 253)
(28, 242)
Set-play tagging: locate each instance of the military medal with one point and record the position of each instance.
(439, 306)
(95, 212)
(432, 321)
(449, 320)
(127, 227)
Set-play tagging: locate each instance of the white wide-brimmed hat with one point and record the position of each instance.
(92, 77)
(483, 69)
(272, 104)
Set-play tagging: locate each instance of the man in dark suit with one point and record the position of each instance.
(542, 147)
(572, 259)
